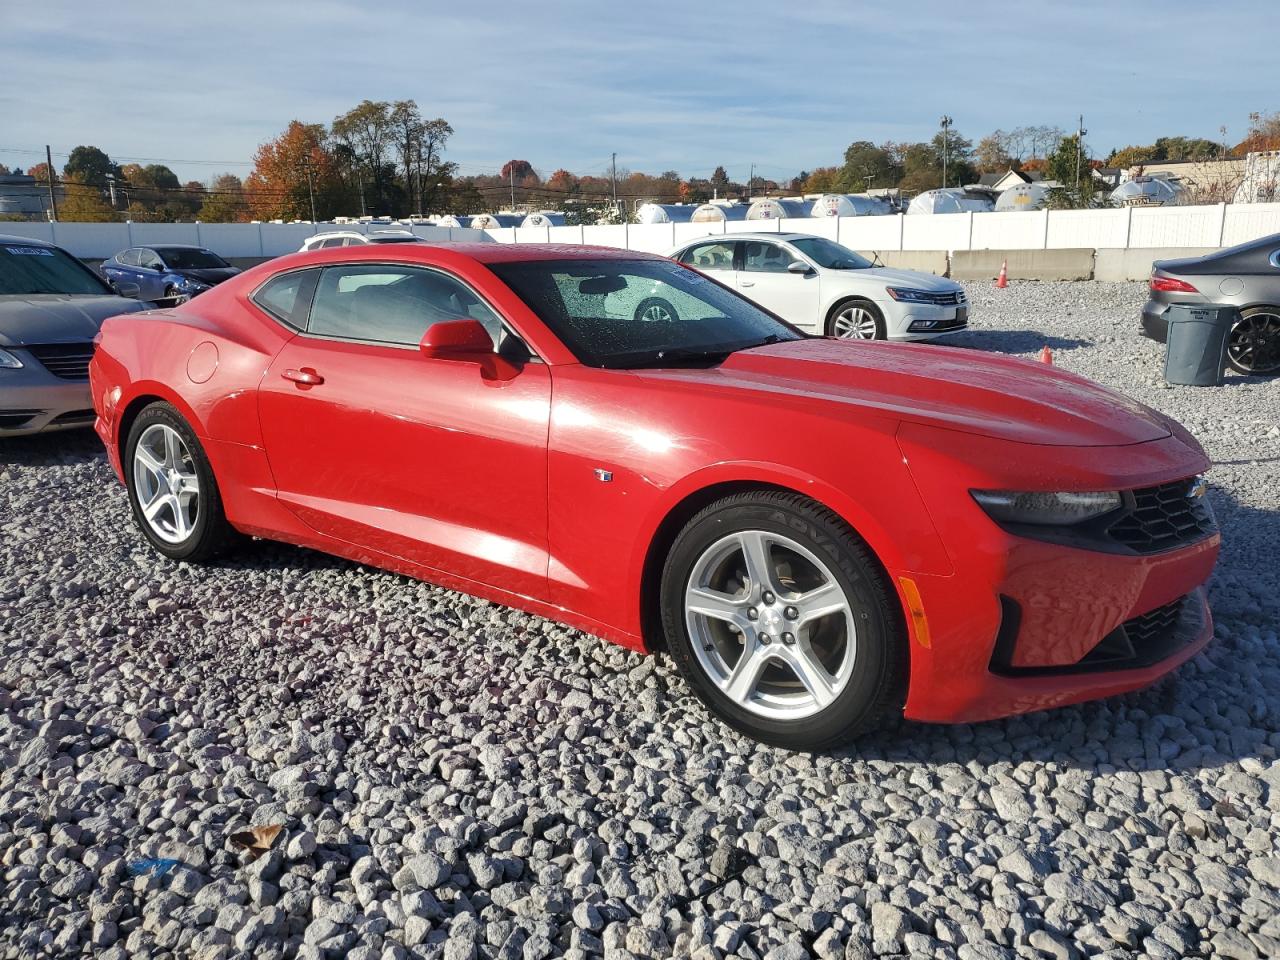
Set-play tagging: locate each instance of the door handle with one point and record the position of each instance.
(304, 377)
(748, 283)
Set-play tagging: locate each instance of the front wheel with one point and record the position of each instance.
(172, 490)
(1253, 345)
(781, 620)
(856, 320)
(176, 295)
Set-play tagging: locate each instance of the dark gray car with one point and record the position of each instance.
(1246, 277)
(51, 308)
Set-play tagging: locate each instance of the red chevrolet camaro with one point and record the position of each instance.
(818, 531)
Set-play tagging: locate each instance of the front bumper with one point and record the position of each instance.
(908, 321)
(32, 400)
(1024, 624)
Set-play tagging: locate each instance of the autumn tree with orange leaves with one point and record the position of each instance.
(278, 187)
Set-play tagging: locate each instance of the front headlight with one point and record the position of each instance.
(189, 283)
(1045, 509)
(9, 361)
(907, 295)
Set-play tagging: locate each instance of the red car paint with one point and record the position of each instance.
(484, 479)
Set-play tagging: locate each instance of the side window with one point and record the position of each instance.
(128, 258)
(710, 256)
(147, 258)
(392, 303)
(286, 297)
(761, 257)
(331, 242)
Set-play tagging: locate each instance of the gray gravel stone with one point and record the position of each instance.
(454, 778)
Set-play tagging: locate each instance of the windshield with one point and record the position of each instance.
(625, 313)
(830, 255)
(27, 270)
(185, 258)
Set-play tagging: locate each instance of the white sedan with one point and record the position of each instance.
(822, 287)
(353, 238)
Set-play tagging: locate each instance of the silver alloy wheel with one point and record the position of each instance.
(1254, 342)
(656, 313)
(854, 323)
(176, 295)
(770, 625)
(166, 484)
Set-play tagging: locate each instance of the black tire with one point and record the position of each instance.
(211, 534)
(657, 306)
(872, 693)
(1253, 346)
(867, 305)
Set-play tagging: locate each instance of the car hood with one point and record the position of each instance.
(209, 275)
(891, 277)
(48, 318)
(966, 390)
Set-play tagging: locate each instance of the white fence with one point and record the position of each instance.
(235, 240)
(1220, 225)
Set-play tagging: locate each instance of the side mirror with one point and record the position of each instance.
(456, 340)
(799, 266)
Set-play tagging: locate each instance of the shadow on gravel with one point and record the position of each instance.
(1015, 341)
(48, 449)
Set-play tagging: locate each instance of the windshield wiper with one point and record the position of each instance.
(676, 356)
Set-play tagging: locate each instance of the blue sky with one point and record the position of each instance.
(668, 85)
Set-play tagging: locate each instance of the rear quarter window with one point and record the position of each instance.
(287, 297)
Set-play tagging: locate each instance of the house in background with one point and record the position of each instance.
(23, 197)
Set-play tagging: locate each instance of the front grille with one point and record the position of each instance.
(70, 361)
(1161, 518)
(951, 298)
(1153, 627)
(1140, 642)
(13, 419)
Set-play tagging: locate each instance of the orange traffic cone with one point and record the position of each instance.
(1002, 281)
(1046, 355)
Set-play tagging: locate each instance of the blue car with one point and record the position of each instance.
(174, 272)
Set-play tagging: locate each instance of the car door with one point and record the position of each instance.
(150, 275)
(424, 459)
(764, 278)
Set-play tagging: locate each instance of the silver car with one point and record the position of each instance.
(1246, 277)
(51, 307)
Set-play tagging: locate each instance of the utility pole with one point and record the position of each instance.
(111, 187)
(1080, 132)
(946, 122)
(53, 201)
(511, 172)
(613, 179)
(360, 181)
(311, 189)
(751, 179)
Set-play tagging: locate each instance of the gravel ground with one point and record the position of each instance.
(459, 780)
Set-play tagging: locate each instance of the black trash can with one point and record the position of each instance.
(1196, 347)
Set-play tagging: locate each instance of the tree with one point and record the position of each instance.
(720, 181)
(865, 166)
(90, 165)
(1069, 167)
(224, 201)
(1264, 134)
(993, 154)
(83, 202)
(823, 180)
(368, 133)
(278, 188)
(520, 170)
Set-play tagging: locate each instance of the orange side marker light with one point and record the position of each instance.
(915, 607)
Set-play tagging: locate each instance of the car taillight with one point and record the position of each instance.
(1171, 285)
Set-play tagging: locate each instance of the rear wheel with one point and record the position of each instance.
(656, 310)
(1253, 346)
(172, 490)
(780, 619)
(856, 320)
